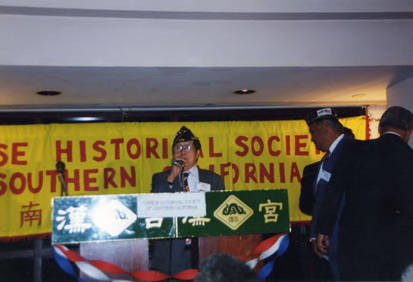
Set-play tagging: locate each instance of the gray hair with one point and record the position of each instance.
(225, 268)
(397, 117)
(407, 275)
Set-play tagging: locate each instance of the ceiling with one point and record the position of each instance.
(305, 86)
(102, 54)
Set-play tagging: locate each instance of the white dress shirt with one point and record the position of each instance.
(193, 179)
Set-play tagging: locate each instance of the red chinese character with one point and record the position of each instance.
(30, 215)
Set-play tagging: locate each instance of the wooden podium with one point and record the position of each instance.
(235, 245)
(103, 236)
(132, 255)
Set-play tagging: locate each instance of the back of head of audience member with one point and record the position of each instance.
(225, 268)
(397, 119)
(407, 275)
(324, 127)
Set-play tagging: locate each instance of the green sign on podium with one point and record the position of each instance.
(168, 215)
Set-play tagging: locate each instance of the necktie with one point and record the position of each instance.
(326, 157)
(188, 241)
(185, 182)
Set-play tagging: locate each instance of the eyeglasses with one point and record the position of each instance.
(179, 148)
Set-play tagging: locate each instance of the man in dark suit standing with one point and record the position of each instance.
(327, 133)
(171, 256)
(376, 226)
(314, 267)
(310, 172)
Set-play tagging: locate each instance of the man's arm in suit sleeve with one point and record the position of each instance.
(329, 201)
(306, 203)
(160, 183)
(326, 211)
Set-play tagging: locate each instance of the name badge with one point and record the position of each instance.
(325, 175)
(204, 187)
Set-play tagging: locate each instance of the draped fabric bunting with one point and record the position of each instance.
(120, 158)
(271, 248)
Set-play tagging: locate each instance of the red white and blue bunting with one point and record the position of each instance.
(98, 270)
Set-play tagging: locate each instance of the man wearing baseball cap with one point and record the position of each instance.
(327, 133)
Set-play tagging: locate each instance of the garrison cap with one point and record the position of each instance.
(185, 134)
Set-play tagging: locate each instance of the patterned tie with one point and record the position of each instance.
(185, 182)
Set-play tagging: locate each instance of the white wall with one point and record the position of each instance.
(375, 113)
(262, 6)
(137, 42)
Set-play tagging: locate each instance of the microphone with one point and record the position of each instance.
(60, 167)
(178, 163)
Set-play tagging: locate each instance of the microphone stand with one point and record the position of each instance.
(60, 167)
(175, 219)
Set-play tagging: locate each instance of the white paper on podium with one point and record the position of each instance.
(183, 204)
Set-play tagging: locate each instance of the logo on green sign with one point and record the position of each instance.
(233, 212)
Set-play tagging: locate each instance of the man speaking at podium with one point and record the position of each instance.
(171, 256)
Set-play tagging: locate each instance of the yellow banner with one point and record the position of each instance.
(120, 158)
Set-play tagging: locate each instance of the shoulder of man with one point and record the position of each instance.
(395, 140)
(395, 149)
(348, 153)
(207, 173)
(211, 178)
(312, 168)
(159, 177)
(356, 146)
(160, 174)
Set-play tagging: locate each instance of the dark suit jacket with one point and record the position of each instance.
(376, 227)
(160, 184)
(330, 167)
(307, 198)
(171, 256)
